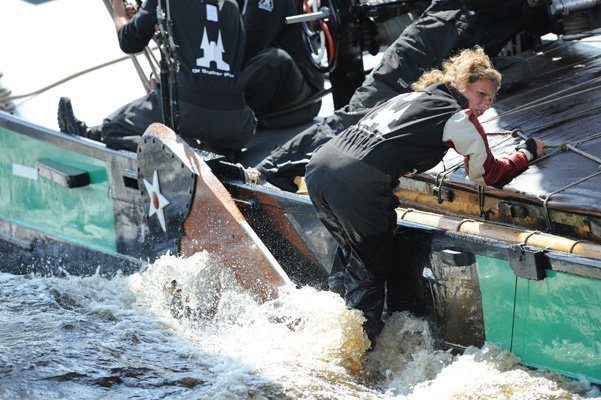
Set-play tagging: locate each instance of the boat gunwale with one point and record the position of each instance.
(78, 144)
(558, 261)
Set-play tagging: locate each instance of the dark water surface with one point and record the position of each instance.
(147, 336)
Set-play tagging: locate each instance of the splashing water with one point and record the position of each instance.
(183, 329)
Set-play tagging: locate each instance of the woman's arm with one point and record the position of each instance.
(464, 133)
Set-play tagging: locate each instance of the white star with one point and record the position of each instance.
(157, 201)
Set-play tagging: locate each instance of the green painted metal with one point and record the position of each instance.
(83, 215)
(497, 284)
(556, 323)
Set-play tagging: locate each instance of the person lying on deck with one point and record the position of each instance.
(443, 29)
(351, 178)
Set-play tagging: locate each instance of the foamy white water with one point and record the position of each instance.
(164, 333)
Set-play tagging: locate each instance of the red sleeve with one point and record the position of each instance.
(464, 133)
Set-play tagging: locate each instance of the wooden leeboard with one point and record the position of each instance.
(214, 223)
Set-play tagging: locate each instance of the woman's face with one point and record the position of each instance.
(479, 95)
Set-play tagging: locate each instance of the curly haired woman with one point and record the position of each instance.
(351, 178)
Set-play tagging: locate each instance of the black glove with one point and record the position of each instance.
(529, 145)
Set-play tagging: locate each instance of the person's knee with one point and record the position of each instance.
(275, 58)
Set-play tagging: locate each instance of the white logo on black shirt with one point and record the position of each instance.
(212, 62)
(212, 52)
(266, 5)
(384, 117)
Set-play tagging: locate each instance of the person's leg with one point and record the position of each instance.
(336, 279)
(318, 189)
(273, 82)
(338, 271)
(293, 116)
(122, 129)
(221, 131)
(360, 204)
(68, 123)
(371, 228)
(365, 279)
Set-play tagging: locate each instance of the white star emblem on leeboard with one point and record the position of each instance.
(157, 200)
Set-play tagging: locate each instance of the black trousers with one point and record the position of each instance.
(438, 33)
(272, 83)
(355, 201)
(218, 130)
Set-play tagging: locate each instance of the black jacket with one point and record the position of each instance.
(405, 133)
(412, 133)
(264, 21)
(211, 42)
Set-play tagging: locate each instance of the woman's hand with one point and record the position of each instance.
(540, 147)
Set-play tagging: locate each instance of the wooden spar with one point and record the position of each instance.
(214, 224)
(501, 233)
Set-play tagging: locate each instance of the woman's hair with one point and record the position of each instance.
(461, 70)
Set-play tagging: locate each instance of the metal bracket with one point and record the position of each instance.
(594, 226)
(513, 209)
(62, 174)
(457, 258)
(443, 194)
(527, 262)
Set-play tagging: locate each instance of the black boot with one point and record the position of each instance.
(372, 328)
(71, 125)
(365, 292)
(336, 277)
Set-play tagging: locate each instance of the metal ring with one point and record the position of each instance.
(462, 222)
(530, 235)
(577, 242)
(408, 210)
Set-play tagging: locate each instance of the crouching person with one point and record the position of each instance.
(351, 178)
(278, 75)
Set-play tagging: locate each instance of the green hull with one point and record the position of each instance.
(83, 215)
(554, 323)
(67, 205)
